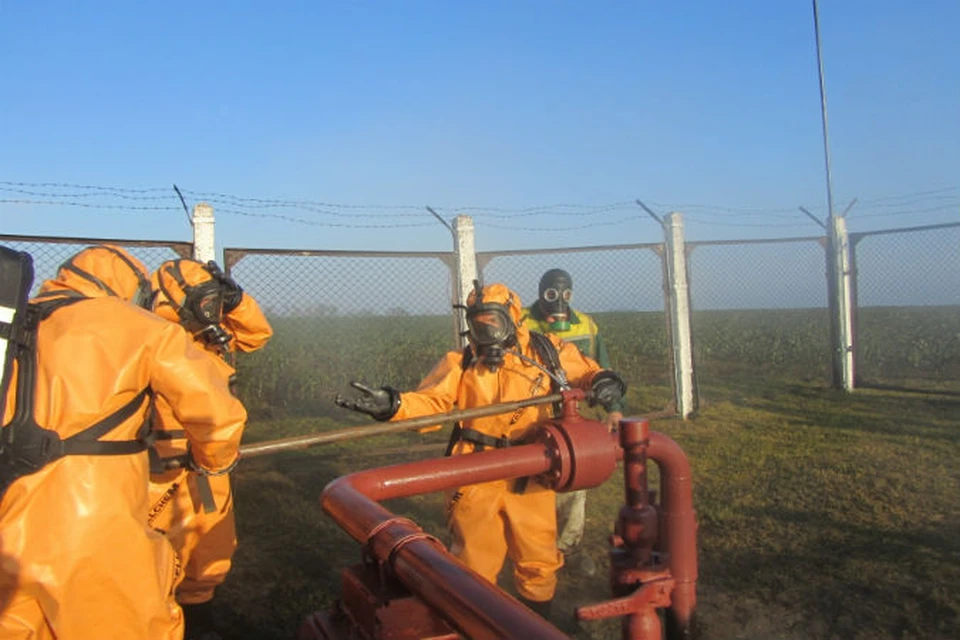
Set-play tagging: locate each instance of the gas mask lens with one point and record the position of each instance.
(552, 295)
(209, 307)
(489, 326)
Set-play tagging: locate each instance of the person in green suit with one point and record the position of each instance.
(552, 313)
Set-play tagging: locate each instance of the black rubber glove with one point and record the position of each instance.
(232, 293)
(380, 404)
(608, 388)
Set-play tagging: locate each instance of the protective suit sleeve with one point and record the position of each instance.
(603, 357)
(437, 392)
(190, 381)
(249, 326)
(580, 368)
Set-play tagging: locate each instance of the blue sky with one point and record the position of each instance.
(707, 107)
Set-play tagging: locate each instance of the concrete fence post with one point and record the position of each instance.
(679, 312)
(840, 289)
(464, 247)
(203, 232)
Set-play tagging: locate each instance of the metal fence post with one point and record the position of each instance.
(840, 289)
(679, 301)
(203, 232)
(466, 272)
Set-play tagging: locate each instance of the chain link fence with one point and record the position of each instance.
(759, 311)
(908, 308)
(49, 253)
(621, 287)
(384, 318)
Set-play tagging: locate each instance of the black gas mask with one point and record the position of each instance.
(556, 292)
(203, 305)
(490, 329)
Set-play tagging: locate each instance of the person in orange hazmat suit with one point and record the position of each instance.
(196, 511)
(492, 520)
(78, 559)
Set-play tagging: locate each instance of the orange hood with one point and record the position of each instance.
(501, 294)
(101, 271)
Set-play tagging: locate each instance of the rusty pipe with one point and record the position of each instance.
(678, 535)
(634, 439)
(379, 428)
(474, 606)
(637, 524)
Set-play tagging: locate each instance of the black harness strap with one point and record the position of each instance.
(550, 358)
(88, 443)
(483, 440)
(548, 355)
(469, 357)
(454, 438)
(172, 434)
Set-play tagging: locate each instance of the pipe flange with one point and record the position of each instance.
(558, 450)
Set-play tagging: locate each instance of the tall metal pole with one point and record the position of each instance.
(839, 274)
(823, 111)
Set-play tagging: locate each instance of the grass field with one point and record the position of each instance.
(822, 514)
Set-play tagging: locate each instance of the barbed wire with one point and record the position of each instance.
(318, 213)
(67, 185)
(89, 194)
(89, 205)
(326, 208)
(800, 222)
(548, 228)
(915, 194)
(905, 212)
(278, 216)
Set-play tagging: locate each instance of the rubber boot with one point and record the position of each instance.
(198, 621)
(541, 608)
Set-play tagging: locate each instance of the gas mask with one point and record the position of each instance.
(490, 329)
(201, 311)
(556, 292)
(205, 303)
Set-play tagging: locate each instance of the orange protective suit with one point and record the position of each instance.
(205, 540)
(76, 557)
(493, 520)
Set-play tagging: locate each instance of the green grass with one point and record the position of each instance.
(821, 514)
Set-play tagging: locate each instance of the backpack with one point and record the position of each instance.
(16, 278)
(25, 446)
